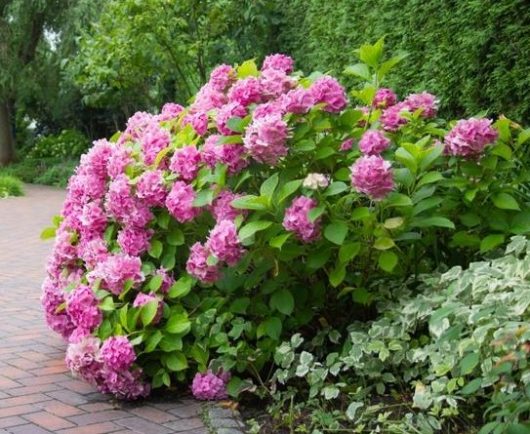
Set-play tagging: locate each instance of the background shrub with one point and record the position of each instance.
(66, 144)
(10, 186)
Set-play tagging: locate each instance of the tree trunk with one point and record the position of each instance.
(7, 149)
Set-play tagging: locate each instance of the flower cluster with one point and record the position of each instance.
(372, 176)
(209, 386)
(297, 219)
(469, 137)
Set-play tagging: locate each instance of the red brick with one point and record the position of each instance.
(6, 383)
(18, 410)
(59, 409)
(96, 428)
(153, 414)
(7, 422)
(48, 421)
(22, 400)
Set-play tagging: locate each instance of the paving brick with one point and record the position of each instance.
(39, 388)
(143, 426)
(59, 409)
(21, 400)
(102, 416)
(48, 421)
(96, 428)
(185, 424)
(7, 422)
(28, 429)
(153, 414)
(18, 410)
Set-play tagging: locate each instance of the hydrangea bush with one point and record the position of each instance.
(192, 241)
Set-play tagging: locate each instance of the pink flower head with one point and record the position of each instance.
(222, 77)
(167, 280)
(185, 162)
(469, 137)
(116, 270)
(208, 98)
(227, 112)
(142, 299)
(93, 219)
(197, 264)
(279, 62)
(179, 202)
(372, 176)
(296, 219)
(137, 124)
(391, 118)
(82, 307)
(52, 301)
(221, 208)
(268, 109)
(424, 101)
(224, 243)
(198, 121)
(119, 201)
(123, 384)
(170, 110)
(275, 82)
(346, 145)
(384, 98)
(119, 160)
(299, 101)
(373, 142)
(265, 139)
(134, 241)
(94, 162)
(93, 251)
(246, 91)
(151, 188)
(117, 353)
(327, 89)
(83, 359)
(231, 154)
(153, 140)
(209, 386)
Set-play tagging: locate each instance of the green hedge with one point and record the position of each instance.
(471, 53)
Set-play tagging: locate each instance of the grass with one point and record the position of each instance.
(47, 171)
(10, 186)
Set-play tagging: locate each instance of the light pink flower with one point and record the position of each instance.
(170, 110)
(469, 137)
(299, 101)
(179, 202)
(221, 208)
(327, 90)
(222, 77)
(208, 386)
(267, 109)
(153, 140)
(346, 145)
(231, 154)
(392, 119)
(151, 188)
(424, 101)
(372, 176)
(123, 384)
(93, 251)
(384, 98)
(197, 264)
(280, 62)
(224, 243)
(117, 353)
(373, 142)
(185, 162)
(208, 98)
(265, 139)
(116, 270)
(246, 91)
(52, 300)
(119, 160)
(227, 112)
(296, 219)
(198, 121)
(275, 82)
(134, 241)
(142, 299)
(82, 307)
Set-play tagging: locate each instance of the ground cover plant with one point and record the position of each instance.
(193, 242)
(10, 186)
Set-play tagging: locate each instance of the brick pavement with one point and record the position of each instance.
(37, 393)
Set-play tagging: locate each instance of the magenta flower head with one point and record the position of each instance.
(117, 353)
(170, 111)
(224, 243)
(179, 202)
(424, 101)
(373, 142)
(246, 91)
(82, 307)
(185, 162)
(222, 209)
(384, 98)
(134, 240)
(346, 145)
(222, 77)
(227, 112)
(469, 137)
(327, 90)
(299, 101)
(151, 188)
(265, 139)
(280, 62)
(209, 386)
(153, 140)
(142, 299)
(371, 175)
(198, 266)
(296, 219)
(392, 118)
(116, 270)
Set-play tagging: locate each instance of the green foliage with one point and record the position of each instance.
(472, 54)
(47, 171)
(449, 351)
(10, 186)
(66, 144)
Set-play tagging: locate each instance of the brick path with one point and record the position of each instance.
(37, 393)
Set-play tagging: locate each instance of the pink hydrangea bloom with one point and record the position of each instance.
(197, 264)
(424, 101)
(221, 208)
(246, 91)
(185, 162)
(299, 101)
(137, 124)
(222, 77)
(265, 139)
(275, 82)
(268, 109)
(93, 251)
(134, 241)
(123, 384)
(56, 318)
(372, 176)
(179, 202)
(327, 90)
(198, 121)
(83, 358)
(384, 98)
(93, 219)
(296, 219)
(94, 162)
(373, 142)
(346, 145)
(469, 137)
(209, 386)
(227, 112)
(116, 270)
(142, 299)
(231, 154)
(167, 279)
(208, 98)
(84, 187)
(119, 160)
(82, 307)
(224, 243)
(391, 118)
(151, 188)
(170, 110)
(153, 140)
(117, 353)
(119, 201)
(280, 62)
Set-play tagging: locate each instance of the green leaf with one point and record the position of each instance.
(175, 361)
(324, 152)
(251, 228)
(387, 261)
(279, 240)
(468, 363)
(153, 341)
(335, 188)
(155, 283)
(360, 213)
(247, 69)
(148, 312)
(315, 213)
(505, 201)
(236, 124)
(107, 304)
(398, 200)
(163, 219)
(48, 233)
(230, 140)
(471, 387)
(271, 327)
(384, 243)
(268, 186)
(235, 386)
(250, 202)
(337, 276)
(203, 198)
(240, 305)
(349, 251)
(359, 70)
(426, 222)
(175, 237)
(283, 301)
(429, 178)
(393, 223)
(155, 250)
(430, 155)
(407, 159)
(181, 287)
(178, 324)
(336, 232)
(491, 241)
(288, 189)
(371, 54)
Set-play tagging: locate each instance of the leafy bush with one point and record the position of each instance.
(470, 53)
(66, 144)
(451, 347)
(245, 199)
(58, 174)
(10, 186)
(47, 171)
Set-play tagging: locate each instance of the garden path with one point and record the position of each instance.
(37, 393)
